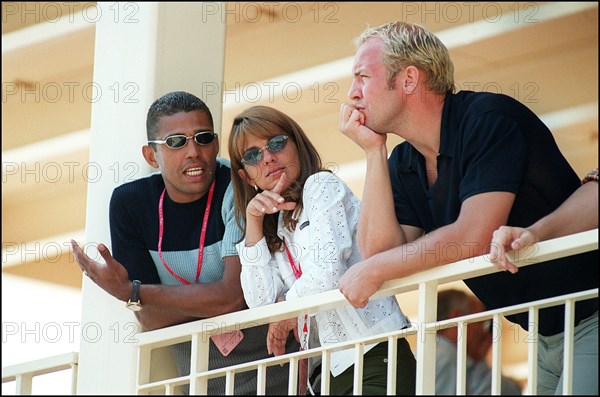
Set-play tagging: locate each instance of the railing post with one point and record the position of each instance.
(325, 374)
(426, 339)
(144, 360)
(74, 368)
(497, 355)
(359, 350)
(461, 358)
(568, 347)
(24, 382)
(532, 351)
(230, 383)
(261, 380)
(391, 370)
(199, 363)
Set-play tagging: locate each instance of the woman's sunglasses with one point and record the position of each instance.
(274, 145)
(178, 141)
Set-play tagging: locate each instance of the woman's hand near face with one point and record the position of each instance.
(265, 202)
(269, 201)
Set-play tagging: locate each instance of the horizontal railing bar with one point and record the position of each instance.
(40, 367)
(467, 268)
(182, 380)
(285, 358)
(481, 265)
(464, 269)
(472, 318)
(520, 308)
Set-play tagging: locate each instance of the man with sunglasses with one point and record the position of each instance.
(173, 239)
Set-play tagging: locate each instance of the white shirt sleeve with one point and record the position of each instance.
(261, 279)
(332, 211)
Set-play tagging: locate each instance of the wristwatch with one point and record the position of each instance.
(134, 302)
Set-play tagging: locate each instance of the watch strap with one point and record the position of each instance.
(135, 291)
(134, 302)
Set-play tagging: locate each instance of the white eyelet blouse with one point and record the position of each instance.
(324, 243)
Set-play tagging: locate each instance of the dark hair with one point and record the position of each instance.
(452, 299)
(266, 122)
(168, 105)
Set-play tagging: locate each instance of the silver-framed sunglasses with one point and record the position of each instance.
(253, 155)
(177, 141)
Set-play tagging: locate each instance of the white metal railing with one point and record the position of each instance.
(496, 317)
(426, 283)
(23, 374)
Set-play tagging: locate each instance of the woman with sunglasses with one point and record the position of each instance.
(300, 222)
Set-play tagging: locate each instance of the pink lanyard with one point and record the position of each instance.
(297, 272)
(161, 223)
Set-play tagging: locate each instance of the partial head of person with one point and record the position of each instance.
(264, 144)
(395, 61)
(403, 44)
(454, 303)
(182, 143)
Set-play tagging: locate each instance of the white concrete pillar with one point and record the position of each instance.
(143, 50)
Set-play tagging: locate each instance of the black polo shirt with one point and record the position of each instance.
(491, 142)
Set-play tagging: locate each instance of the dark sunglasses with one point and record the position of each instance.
(274, 145)
(178, 141)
